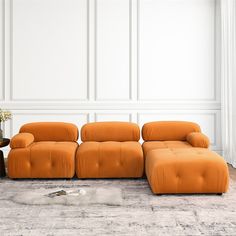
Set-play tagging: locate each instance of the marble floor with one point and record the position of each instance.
(139, 212)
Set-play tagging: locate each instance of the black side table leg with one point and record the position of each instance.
(2, 165)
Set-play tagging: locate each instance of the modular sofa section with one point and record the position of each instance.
(43, 150)
(191, 170)
(110, 150)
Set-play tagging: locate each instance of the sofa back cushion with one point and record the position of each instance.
(168, 130)
(110, 131)
(51, 131)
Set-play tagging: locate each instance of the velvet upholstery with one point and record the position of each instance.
(110, 150)
(110, 131)
(47, 150)
(168, 130)
(188, 170)
(51, 131)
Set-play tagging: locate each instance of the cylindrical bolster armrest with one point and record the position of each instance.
(21, 140)
(197, 139)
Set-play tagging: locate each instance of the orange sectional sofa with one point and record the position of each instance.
(43, 150)
(110, 150)
(175, 154)
(177, 159)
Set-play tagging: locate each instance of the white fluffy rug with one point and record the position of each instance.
(111, 207)
(75, 196)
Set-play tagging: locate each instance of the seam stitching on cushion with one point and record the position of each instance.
(120, 153)
(51, 160)
(99, 149)
(68, 133)
(30, 163)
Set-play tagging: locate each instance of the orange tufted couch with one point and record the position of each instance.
(43, 150)
(177, 159)
(110, 150)
(175, 153)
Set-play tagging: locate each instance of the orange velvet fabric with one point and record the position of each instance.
(168, 130)
(151, 145)
(21, 140)
(188, 170)
(110, 131)
(197, 139)
(43, 160)
(51, 131)
(109, 160)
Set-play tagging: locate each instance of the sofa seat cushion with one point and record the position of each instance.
(109, 160)
(188, 170)
(43, 160)
(151, 145)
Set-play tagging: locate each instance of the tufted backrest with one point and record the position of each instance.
(110, 131)
(51, 131)
(168, 130)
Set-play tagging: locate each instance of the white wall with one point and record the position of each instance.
(129, 60)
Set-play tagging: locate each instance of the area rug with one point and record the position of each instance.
(124, 207)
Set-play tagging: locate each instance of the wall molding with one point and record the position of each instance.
(114, 113)
(132, 105)
(2, 97)
(228, 48)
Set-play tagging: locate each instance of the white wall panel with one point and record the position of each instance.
(49, 49)
(177, 49)
(112, 49)
(114, 116)
(1, 49)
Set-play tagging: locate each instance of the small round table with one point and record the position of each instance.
(3, 143)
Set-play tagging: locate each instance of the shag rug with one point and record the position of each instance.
(73, 196)
(111, 207)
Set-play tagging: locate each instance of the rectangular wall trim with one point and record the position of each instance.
(54, 66)
(113, 45)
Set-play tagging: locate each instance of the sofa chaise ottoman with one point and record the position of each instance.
(188, 170)
(177, 159)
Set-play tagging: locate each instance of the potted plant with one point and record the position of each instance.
(4, 116)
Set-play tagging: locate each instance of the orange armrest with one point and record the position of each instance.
(21, 140)
(197, 139)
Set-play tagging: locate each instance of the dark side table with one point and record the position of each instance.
(3, 143)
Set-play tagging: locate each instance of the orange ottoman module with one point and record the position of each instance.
(172, 134)
(187, 170)
(43, 150)
(109, 150)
